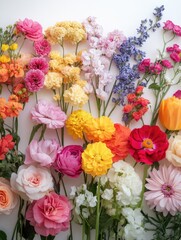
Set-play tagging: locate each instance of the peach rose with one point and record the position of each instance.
(8, 199)
(173, 154)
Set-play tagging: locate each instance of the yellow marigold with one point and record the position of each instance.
(53, 80)
(13, 46)
(4, 59)
(96, 159)
(4, 47)
(99, 129)
(76, 96)
(76, 122)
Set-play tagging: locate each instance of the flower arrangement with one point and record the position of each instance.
(74, 136)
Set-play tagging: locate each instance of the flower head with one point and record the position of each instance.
(164, 191)
(42, 47)
(39, 63)
(96, 159)
(6, 144)
(34, 80)
(173, 153)
(148, 144)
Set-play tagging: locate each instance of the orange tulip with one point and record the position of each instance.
(170, 113)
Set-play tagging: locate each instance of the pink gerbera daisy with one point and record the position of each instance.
(164, 187)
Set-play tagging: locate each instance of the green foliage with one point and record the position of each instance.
(3, 235)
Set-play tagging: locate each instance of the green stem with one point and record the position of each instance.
(36, 97)
(83, 230)
(97, 211)
(76, 49)
(62, 136)
(143, 187)
(58, 136)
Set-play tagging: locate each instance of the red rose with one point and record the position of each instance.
(148, 144)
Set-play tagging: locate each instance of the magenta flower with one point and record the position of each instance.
(166, 63)
(177, 30)
(30, 29)
(50, 214)
(69, 160)
(43, 152)
(175, 57)
(39, 63)
(49, 114)
(168, 25)
(164, 190)
(34, 80)
(42, 47)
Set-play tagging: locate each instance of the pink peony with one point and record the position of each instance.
(68, 161)
(39, 63)
(168, 25)
(50, 214)
(43, 152)
(49, 114)
(34, 80)
(30, 29)
(42, 47)
(164, 192)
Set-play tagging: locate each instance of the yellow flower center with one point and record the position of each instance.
(147, 143)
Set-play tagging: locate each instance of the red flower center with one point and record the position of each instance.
(147, 143)
(167, 190)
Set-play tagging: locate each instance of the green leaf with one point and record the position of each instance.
(3, 235)
(154, 86)
(49, 237)
(34, 130)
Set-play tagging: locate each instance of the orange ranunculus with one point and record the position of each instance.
(118, 144)
(170, 113)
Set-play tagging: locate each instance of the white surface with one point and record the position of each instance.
(114, 14)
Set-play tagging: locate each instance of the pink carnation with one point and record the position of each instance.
(30, 29)
(43, 152)
(39, 63)
(50, 214)
(42, 47)
(49, 114)
(34, 80)
(168, 25)
(69, 160)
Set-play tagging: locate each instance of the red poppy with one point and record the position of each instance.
(148, 144)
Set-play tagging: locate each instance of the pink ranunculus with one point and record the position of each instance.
(166, 63)
(39, 63)
(42, 47)
(168, 25)
(68, 161)
(50, 214)
(34, 80)
(177, 30)
(30, 29)
(49, 114)
(43, 152)
(175, 57)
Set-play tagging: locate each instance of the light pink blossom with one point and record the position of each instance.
(43, 152)
(164, 191)
(42, 47)
(50, 214)
(49, 114)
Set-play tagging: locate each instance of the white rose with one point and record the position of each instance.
(32, 183)
(173, 154)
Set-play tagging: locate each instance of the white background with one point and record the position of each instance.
(115, 14)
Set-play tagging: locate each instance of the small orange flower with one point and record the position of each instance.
(3, 108)
(13, 108)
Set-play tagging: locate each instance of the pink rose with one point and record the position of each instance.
(68, 161)
(177, 30)
(43, 152)
(168, 25)
(166, 63)
(49, 114)
(32, 182)
(50, 214)
(42, 47)
(30, 29)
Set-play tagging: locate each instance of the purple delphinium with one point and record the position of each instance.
(128, 52)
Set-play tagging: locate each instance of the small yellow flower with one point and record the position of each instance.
(13, 46)
(76, 122)
(4, 47)
(99, 129)
(4, 59)
(96, 159)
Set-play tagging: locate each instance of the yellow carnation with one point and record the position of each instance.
(56, 56)
(53, 80)
(76, 122)
(13, 46)
(4, 47)
(76, 96)
(99, 129)
(71, 74)
(4, 59)
(70, 59)
(96, 159)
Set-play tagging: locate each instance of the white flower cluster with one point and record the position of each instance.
(120, 187)
(84, 201)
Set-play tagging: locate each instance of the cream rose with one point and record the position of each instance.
(32, 183)
(173, 154)
(8, 199)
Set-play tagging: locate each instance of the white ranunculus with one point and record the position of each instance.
(32, 183)
(173, 154)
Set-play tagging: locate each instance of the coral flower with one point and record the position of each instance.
(96, 159)
(164, 190)
(170, 113)
(148, 144)
(6, 144)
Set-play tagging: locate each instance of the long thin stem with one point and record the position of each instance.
(97, 210)
(143, 187)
